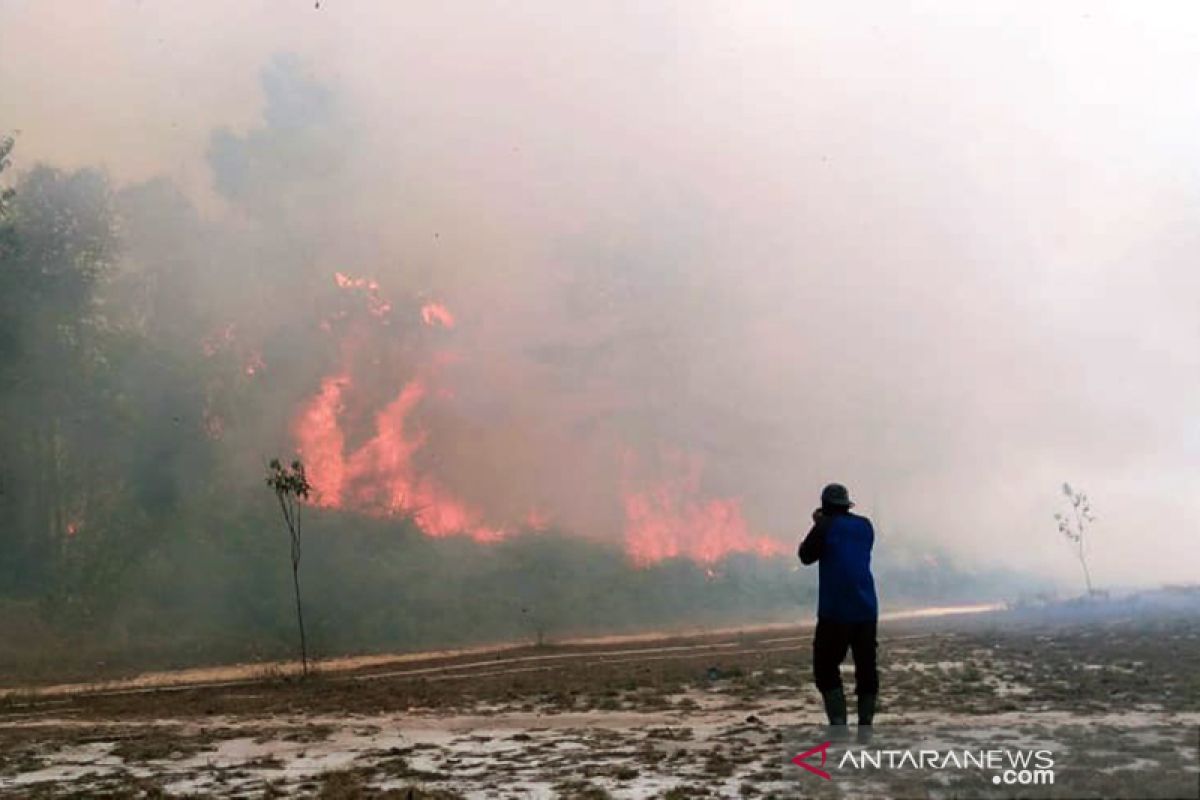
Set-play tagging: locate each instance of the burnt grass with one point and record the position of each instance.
(1110, 666)
(983, 666)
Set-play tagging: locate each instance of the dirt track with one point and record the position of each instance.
(433, 662)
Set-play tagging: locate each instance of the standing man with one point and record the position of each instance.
(847, 609)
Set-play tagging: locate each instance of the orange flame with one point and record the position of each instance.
(379, 477)
(376, 304)
(320, 441)
(537, 520)
(437, 314)
(670, 519)
(664, 518)
(344, 281)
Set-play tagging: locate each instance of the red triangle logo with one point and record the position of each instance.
(802, 760)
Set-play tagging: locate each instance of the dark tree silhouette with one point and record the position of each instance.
(59, 395)
(292, 488)
(1074, 526)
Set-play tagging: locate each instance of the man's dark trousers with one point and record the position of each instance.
(830, 644)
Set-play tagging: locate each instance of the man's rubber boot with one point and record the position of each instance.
(835, 706)
(866, 717)
(866, 709)
(835, 709)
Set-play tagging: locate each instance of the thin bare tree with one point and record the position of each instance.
(292, 488)
(1074, 525)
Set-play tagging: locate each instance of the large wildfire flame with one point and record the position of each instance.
(379, 477)
(664, 517)
(671, 518)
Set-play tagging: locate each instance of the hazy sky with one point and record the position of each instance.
(945, 253)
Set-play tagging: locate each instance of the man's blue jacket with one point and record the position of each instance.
(842, 543)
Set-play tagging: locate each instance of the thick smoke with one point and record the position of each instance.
(698, 261)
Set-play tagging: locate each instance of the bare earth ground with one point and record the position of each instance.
(718, 715)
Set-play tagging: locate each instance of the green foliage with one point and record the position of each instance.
(58, 394)
(288, 481)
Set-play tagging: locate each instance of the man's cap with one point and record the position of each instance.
(836, 495)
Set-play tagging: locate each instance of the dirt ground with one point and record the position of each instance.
(719, 715)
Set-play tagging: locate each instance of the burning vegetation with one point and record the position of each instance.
(667, 516)
(543, 325)
(556, 481)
